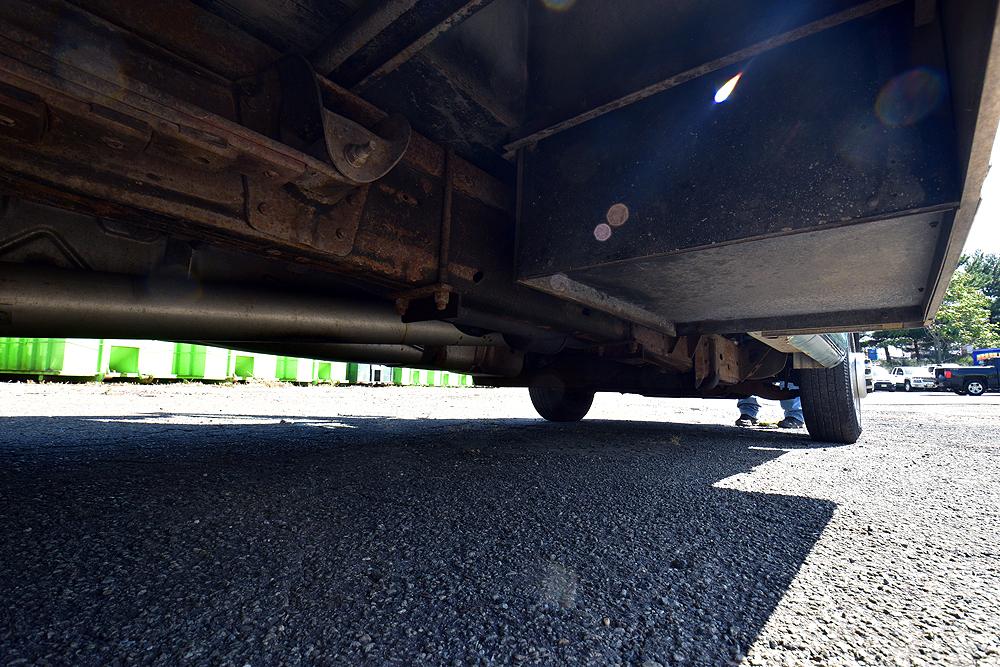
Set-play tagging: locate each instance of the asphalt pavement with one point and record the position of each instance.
(269, 525)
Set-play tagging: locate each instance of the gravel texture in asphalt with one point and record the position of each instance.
(236, 525)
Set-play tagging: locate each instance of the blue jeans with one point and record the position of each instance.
(791, 406)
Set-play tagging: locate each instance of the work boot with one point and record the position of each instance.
(746, 420)
(790, 422)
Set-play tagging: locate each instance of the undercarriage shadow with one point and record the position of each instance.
(340, 540)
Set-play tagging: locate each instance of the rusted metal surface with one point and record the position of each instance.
(670, 352)
(187, 30)
(141, 147)
(424, 155)
(60, 37)
(472, 87)
(357, 31)
(716, 362)
(306, 123)
(566, 288)
(417, 45)
(288, 26)
(442, 294)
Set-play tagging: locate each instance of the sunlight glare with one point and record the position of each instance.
(723, 93)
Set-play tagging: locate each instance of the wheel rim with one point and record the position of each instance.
(974, 388)
(858, 376)
(857, 385)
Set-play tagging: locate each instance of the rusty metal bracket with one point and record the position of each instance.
(286, 212)
(667, 351)
(716, 362)
(360, 154)
(422, 305)
(443, 293)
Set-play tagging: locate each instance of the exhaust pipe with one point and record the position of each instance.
(48, 302)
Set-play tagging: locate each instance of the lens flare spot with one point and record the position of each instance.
(602, 232)
(558, 5)
(722, 94)
(909, 97)
(617, 215)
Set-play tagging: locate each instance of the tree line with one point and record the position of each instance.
(969, 315)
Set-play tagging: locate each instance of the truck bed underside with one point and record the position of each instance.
(567, 174)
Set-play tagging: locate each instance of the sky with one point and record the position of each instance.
(985, 233)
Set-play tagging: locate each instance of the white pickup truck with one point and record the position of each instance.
(909, 378)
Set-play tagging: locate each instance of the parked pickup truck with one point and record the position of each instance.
(971, 380)
(908, 378)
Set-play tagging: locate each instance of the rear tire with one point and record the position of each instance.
(830, 403)
(907, 387)
(975, 387)
(556, 402)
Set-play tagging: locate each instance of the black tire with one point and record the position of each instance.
(975, 387)
(906, 386)
(556, 402)
(892, 387)
(829, 403)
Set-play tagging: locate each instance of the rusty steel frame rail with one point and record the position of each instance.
(701, 70)
(393, 249)
(418, 45)
(362, 27)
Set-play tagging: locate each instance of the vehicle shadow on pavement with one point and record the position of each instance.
(346, 540)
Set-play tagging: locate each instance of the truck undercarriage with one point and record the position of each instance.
(677, 198)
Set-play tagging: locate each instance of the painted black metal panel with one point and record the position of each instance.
(807, 139)
(584, 53)
(880, 265)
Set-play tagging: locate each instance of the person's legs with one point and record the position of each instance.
(793, 411)
(749, 406)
